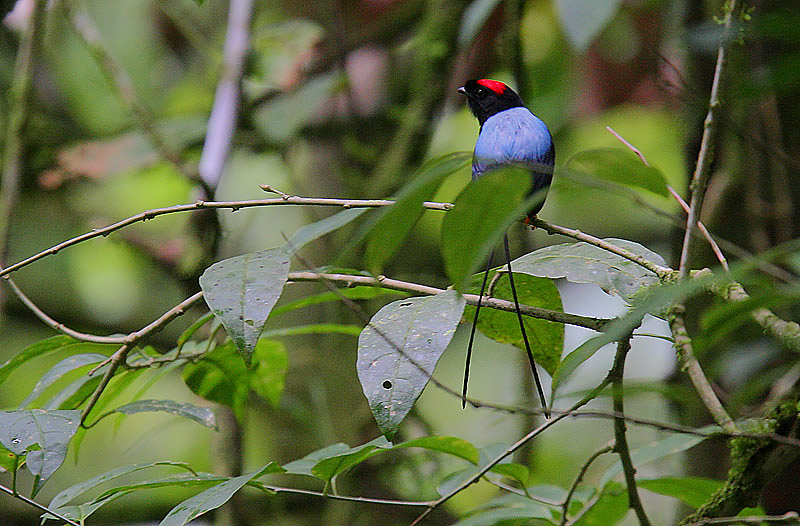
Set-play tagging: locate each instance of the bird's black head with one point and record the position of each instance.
(488, 97)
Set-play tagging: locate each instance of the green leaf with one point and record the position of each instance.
(485, 455)
(610, 508)
(482, 213)
(355, 293)
(74, 394)
(81, 512)
(212, 498)
(546, 337)
(694, 491)
(7, 461)
(336, 458)
(60, 369)
(395, 223)
(328, 468)
(268, 374)
(241, 292)
(659, 449)
(585, 263)
(398, 351)
(619, 166)
(43, 435)
(37, 349)
(193, 328)
(201, 415)
(222, 377)
(68, 494)
(313, 328)
(514, 471)
(458, 447)
(582, 21)
(303, 466)
(309, 233)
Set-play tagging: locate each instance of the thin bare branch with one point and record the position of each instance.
(512, 448)
(38, 506)
(584, 468)
(116, 359)
(702, 168)
(201, 205)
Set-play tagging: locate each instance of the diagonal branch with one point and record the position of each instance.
(689, 362)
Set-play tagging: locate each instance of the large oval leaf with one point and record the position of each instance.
(398, 351)
(620, 166)
(201, 415)
(546, 337)
(585, 263)
(241, 292)
(43, 435)
(482, 213)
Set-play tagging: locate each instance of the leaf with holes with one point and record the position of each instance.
(42, 435)
(584, 263)
(546, 337)
(241, 292)
(398, 351)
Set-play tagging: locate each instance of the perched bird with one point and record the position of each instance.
(510, 135)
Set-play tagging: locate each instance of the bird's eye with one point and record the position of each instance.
(480, 92)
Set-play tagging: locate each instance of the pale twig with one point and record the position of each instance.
(222, 122)
(597, 324)
(38, 506)
(703, 230)
(702, 168)
(689, 362)
(700, 225)
(55, 325)
(616, 375)
(201, 205)
(664, 273)
(584, 468)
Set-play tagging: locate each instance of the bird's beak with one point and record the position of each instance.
(461, 90)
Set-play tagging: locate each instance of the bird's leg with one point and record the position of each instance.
(522, 328)
(472, 332)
